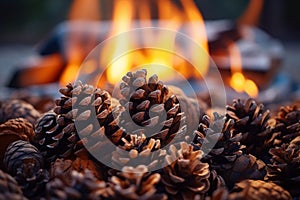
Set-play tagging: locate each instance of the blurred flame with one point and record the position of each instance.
(75, 41)
(238, 81)
(125, 12)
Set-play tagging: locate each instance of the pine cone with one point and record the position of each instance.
(215, 138)
(216, 182)
(18, 109)
(244, 167)
(78, 186)
(53, 139)
(150, 109)
(251, 120)
(133, 184)
(285, 126)
(65, 167)
(9, 188)
(89, 107)
(13, 130)
(257, 190)
(146, 151)
(185, 176)
(19, 125)
(23, 161)
(284, 169)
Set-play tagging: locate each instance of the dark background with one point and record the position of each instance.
(28, 21)
(25, 23)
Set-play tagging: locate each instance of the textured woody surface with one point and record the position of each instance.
(185, 176)
(53, 139)
(148, 105)
(18, 109)
(284, 169)
(285, 125)
(134, 183)
(251, 121)
(13, 130)
(78, 186)
(257, 190)
(24, 162)
(9, 188)
(138, 150)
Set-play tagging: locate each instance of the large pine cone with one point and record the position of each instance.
(18, 109)
(284, 169)
(89, 107)
(78, 186)
(24, 162)
(56, 133)
(9, 188)
(53, 139)
(215, 138)
(185, 176)
(13, 130)
(147, 152)
(258, 190)
(285, 126)
(134, 184)
(251, 120)
(150, 109)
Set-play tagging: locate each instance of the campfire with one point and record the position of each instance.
(154, 103)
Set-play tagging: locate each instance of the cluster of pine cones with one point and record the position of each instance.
(248, 153)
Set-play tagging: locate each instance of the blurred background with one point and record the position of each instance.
(24, 24)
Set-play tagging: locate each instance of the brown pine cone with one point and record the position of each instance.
(134, 184)
(9, 188)
(216, 182)
(54, 138)
(89, 107)
(65, 167)
(13, 130)
(19, 125)
(215, 138)
(251, 120)
(258, 190)
(284, 169)
(225, 151)
(18, 109)
(24, 162)
(185, 176)
(150, 109)
(244, 167)
(146, 151)
(78, 186)
(285, 126)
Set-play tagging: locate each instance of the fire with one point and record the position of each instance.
(238, 81)
(129, 14)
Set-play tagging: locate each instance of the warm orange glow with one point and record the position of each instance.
(171, 17)
(69, 74)
(80, 10)
(238, 81)
(85, 10)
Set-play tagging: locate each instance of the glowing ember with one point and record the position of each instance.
(238, 81)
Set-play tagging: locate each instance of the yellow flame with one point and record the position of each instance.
(238, 81)
(170, 16)
(124, 13)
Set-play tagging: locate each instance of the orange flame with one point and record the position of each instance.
(238, 81)
(125, 12)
